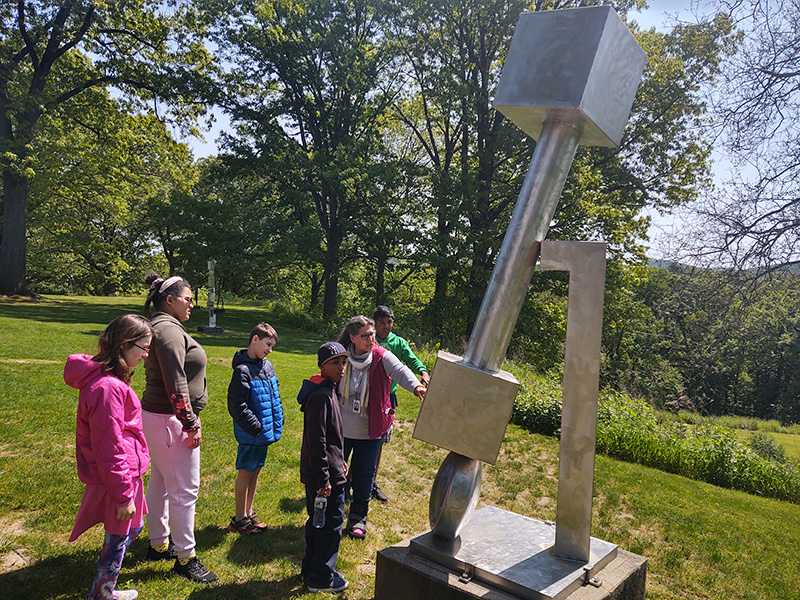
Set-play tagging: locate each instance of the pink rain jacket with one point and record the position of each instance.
(110, 447)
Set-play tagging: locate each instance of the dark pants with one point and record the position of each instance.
(362, 466)
(322, 545)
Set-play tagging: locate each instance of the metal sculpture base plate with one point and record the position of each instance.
(514, 553)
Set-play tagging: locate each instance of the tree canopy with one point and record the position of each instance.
(366, 164)
(54, 52)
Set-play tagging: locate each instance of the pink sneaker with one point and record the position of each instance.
(126, 595)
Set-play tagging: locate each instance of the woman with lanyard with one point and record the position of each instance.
(175, 393)
(367, 413)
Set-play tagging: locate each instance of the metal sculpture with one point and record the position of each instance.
(570, 77)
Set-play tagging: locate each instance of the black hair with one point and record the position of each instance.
(157, 297)
(382, 311)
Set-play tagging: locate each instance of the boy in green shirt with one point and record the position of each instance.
(384, 321)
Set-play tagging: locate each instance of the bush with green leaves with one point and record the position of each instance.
(630, 429)
(537, 407)
(766, 446)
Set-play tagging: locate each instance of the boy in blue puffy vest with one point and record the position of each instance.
(255, 405)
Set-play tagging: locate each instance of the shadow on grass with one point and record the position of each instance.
(61, 311)
(45, 578)
(273, 544)
(236, 322)
(69, 575)
(293, 505)
(209, 536)
(284, 588)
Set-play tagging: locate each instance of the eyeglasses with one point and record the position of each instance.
(367, 336)
(144, 349)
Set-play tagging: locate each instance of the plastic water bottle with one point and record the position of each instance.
(320, 504)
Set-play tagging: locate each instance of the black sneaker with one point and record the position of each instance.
(338, 584)
(194, 570)
(154, 555)
(378, 494)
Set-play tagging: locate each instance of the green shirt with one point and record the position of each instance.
(400, 348)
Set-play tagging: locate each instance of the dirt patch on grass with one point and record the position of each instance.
(30, 361)
(13, 525)
(16, 559)
(9, 451)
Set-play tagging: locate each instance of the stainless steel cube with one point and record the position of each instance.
(581, 66)
(466, 409)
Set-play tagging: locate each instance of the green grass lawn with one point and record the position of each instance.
(701, 541)
(789, 441)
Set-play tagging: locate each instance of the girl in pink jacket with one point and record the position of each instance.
(110, 447)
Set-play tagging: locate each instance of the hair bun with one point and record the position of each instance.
(151, 278)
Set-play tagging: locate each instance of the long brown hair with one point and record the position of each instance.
(352, 327)
(117, 336)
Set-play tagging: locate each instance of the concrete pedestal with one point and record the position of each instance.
(210, 329)
(401, 575)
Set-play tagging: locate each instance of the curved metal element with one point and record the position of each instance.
(454, 495)
(528, 227)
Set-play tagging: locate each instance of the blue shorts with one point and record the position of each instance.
(250, 458)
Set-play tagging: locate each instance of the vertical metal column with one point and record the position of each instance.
(586, 263)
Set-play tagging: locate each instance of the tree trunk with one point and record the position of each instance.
(12, 252)
(438, 305)
(316, 285)
(380, 280)
(330, 301)
(479, 275)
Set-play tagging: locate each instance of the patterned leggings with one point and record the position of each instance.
(110, 563)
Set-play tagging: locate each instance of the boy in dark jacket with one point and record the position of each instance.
(255, 405)
(322, 468)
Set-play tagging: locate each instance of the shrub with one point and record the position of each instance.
(538, 404)
(766, 446)
(630, 429)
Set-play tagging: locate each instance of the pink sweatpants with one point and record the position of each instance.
(174, 483)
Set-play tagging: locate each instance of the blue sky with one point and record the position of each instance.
(662, 11)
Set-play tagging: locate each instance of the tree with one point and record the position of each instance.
(52, 52)
(232, 214)
(99, 169)
(751, 220)
(308, 76)
(452, 52)
(476, 159)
